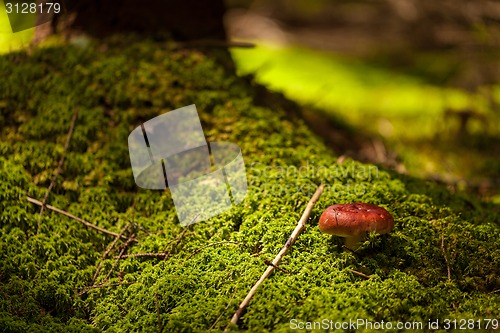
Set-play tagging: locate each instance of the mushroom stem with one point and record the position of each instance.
(353, 242)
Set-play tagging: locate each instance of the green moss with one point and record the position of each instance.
(115, 88)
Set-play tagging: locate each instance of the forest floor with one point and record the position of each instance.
(142, 271)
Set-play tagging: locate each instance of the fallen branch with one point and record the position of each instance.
(98, 286)
(124, 248)
(62, 212)
(181, 236)
(108, 250)
(140, 255)
(267, 262)
(178, 241)
(157, 304)
(296, 232)
(358, 273)
(59, 168)
(445, 256)
(88, 224)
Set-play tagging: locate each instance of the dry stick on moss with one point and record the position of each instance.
(181, 236)
(267, 262)
(88, 224)
(445, 256)
(140, 255)
(358, 273)
(124, 248)
(212, 244)
(129, 240)
(108, 250)
(160, 326)
(97, 286)
(58, 170)
(177, 243)
(177, 238)
(296, 232)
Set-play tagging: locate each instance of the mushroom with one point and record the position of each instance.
(354, 220)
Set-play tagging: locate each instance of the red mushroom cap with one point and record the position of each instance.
(354, 219)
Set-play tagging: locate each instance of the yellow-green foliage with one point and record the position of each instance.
(403, 105)
(9, 40)
(117, 86)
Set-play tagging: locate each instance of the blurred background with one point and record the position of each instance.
(411, 85)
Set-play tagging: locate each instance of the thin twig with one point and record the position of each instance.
(225, 309)
(296, 232)
(267, 262)
(160, 326)
(140, 227)
(181, 236)
(445, 256)
(132, 219)
(359, 273)
(97, 286)
(108, 250)
(177, 238)
(212, 244)
(140, 255)
(88, 224)
(58, 169)
(177, 243)
(124, 248)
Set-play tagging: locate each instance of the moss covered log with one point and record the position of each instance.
(441, 261)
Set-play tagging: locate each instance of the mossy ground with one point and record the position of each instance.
(116, 86)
